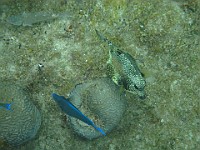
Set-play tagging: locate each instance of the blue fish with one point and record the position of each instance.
(7, 106)
(72, 111)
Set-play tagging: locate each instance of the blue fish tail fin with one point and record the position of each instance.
(8, 106)
(99, 129)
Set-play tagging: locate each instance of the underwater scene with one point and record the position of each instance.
(99, 75)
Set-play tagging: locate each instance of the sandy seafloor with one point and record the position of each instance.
(163, 36)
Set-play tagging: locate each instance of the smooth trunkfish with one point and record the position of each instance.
(124, 70)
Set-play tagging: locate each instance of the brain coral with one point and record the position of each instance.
(102, 101)
(22, 123)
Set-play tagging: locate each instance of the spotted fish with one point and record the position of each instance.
(124, 69)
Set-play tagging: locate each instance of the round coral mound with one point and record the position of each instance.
(102, 101)
(22, 121)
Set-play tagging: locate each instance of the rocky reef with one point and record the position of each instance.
(102, 101)
(22, 122)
